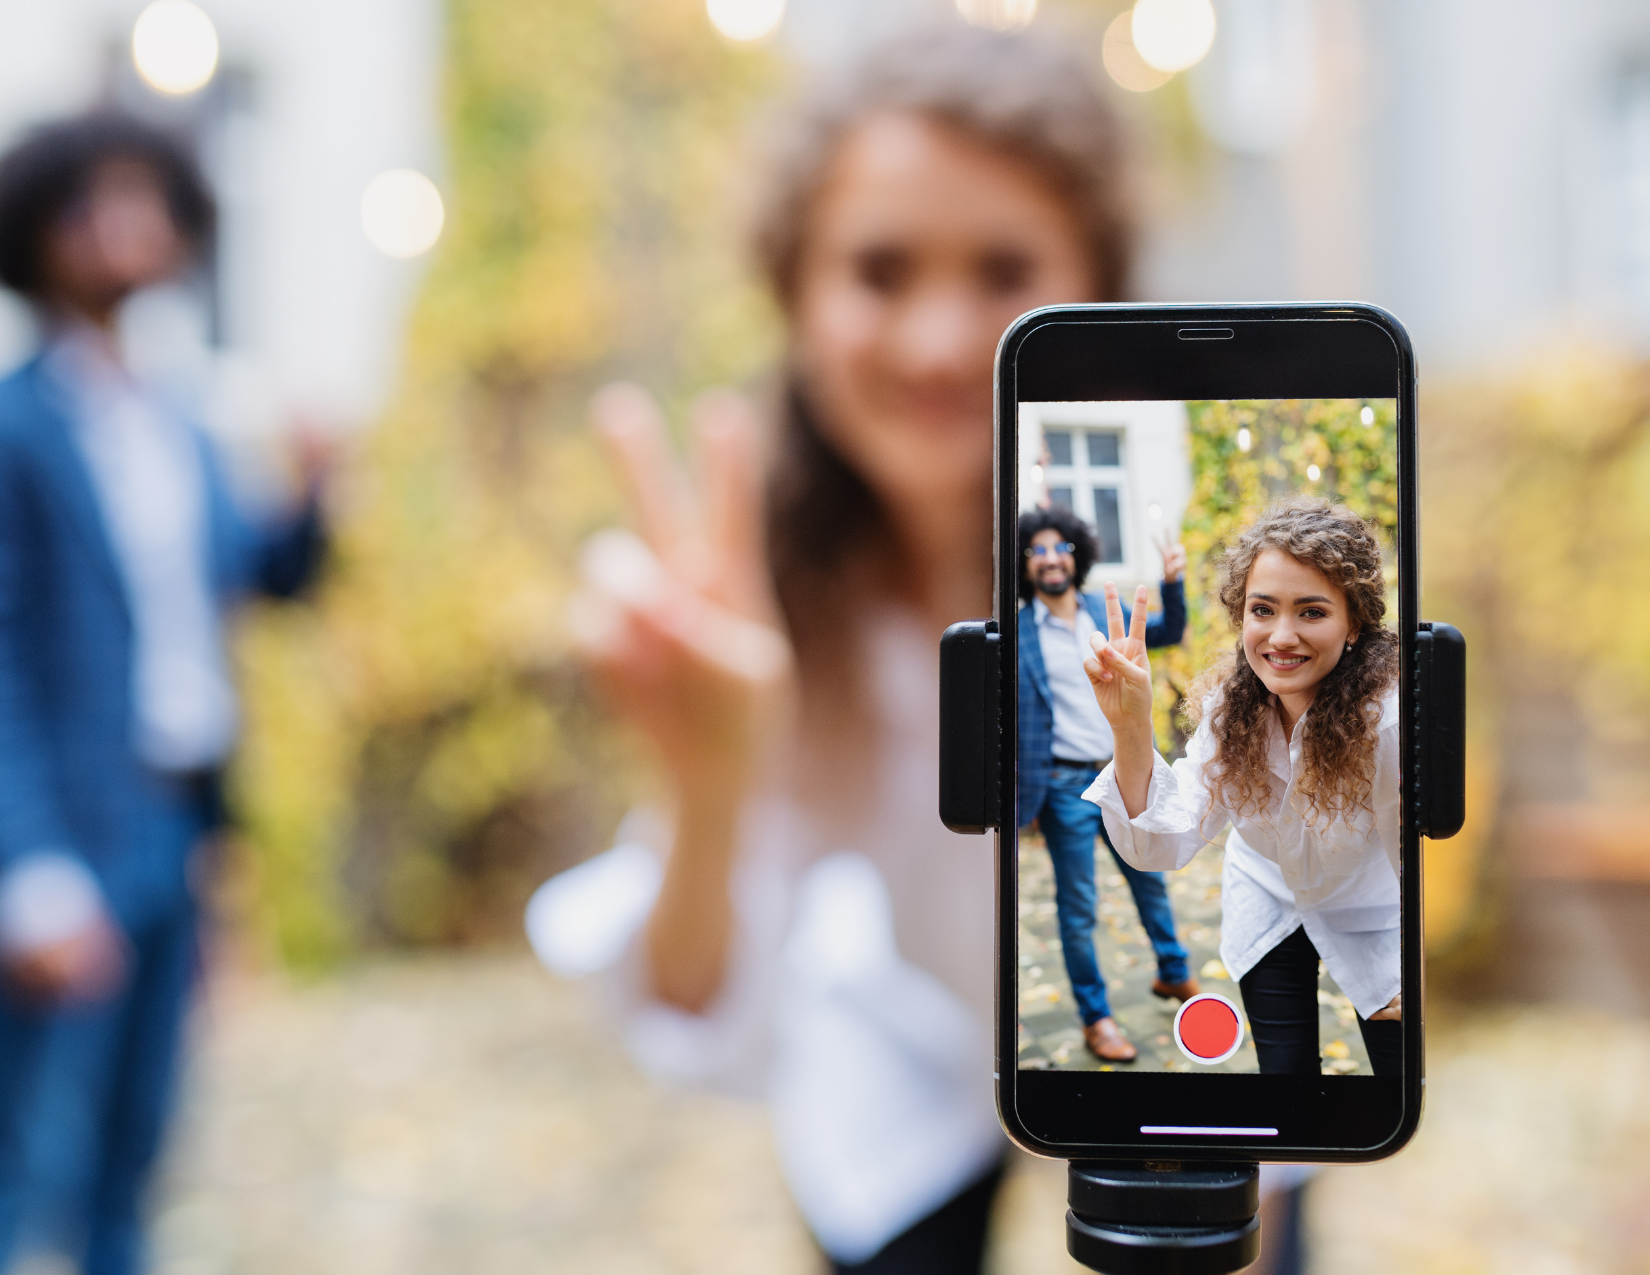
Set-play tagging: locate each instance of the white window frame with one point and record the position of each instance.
(1084, 478)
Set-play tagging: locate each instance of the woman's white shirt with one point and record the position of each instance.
(1339, 880)
(858, 998)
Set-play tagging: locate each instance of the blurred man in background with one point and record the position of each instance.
(120, 553)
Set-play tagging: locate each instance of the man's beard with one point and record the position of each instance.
(1054, 589)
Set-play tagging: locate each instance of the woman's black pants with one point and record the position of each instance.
(1280, 996)
(949, 1241)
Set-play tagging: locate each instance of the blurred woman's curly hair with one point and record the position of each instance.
(1029, 97)
(1024, 95)
(1339, 732)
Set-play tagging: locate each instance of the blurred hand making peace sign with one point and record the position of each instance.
(679, 624)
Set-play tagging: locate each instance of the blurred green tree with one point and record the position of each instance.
(420, 751)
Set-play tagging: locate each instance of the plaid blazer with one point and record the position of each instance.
(1036, 715)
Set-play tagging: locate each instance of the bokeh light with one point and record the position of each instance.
(1245, 440)
(1123, 61)
(745, 20)
(174, 46)
(1313, 473)
(998, 15)
(1367, 416)
(401, 212)
(1172, 35)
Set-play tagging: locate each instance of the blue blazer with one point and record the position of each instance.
(1036, 715)
(70, 779)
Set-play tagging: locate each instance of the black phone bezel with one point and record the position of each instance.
(1132, 352)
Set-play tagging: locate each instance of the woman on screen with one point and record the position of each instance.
(1297, 748)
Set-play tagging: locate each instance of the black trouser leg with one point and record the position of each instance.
(949, 1241)
(1280, 997)
(1385, 1042)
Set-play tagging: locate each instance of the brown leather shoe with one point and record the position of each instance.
(1107, 1042)
(1181, 991)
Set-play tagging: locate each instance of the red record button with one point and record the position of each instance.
(1208, 1029)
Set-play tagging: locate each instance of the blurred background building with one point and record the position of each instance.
(1481, 169)
(294, 109)
(1124, 468)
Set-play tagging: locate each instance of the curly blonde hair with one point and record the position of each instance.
(1339, 734)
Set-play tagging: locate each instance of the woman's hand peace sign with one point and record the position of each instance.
(1121, 674)
(1119, 669)
(680, 628)
(679, 623)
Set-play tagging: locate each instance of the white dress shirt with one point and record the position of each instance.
(146, 473)
(1280, 873)
(146, 476)
(858, 996)
(1081, 731)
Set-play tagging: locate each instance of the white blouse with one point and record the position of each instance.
(1340, 882)
(858, 998)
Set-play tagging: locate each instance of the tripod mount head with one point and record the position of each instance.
(1159, 1218)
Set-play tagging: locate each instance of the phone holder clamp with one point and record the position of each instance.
(972, 735)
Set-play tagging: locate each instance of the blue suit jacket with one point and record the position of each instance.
(1036, 715)
(70, 779)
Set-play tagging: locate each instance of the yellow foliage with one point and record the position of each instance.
(1535, 503)
(1230, 486)
(419, 751)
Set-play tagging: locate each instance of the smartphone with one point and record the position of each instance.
(1245, 928)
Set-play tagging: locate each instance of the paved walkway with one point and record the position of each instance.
(1050, 1030)
(466, 1114)
(1530, 1159)
(454, 1114)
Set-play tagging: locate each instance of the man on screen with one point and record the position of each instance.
(1065, 741)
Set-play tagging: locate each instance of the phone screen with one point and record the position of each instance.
(1209, 934)
(1142, 478)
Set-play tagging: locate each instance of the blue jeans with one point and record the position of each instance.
(1070, 826)
(85, 1092)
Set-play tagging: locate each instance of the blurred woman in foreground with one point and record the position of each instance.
(816, 935)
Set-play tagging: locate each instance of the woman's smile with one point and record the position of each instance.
(1295, 628)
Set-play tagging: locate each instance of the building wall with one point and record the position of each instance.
(312, 99)
(1480, 167)
(1155, 477)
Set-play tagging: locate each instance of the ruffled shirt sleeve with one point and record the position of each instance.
(1176, 822)
(1388, 798)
